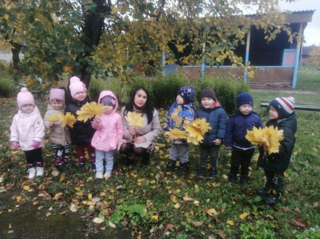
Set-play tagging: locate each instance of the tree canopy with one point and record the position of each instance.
(86, 37)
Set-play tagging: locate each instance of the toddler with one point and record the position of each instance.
(109, 130)
(242, 150)
(180, 115)
(82, 132)
(59, 137)
(281, 115)
(211, 110)
(28, 130)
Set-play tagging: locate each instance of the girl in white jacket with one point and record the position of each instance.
(28, 130)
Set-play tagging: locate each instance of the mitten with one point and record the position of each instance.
(14, 144)
(36, 144)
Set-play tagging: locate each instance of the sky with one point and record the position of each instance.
(312, 31)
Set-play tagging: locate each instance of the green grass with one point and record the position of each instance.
(308, 78)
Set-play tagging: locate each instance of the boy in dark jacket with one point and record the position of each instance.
(180, 116)
(211, 110)
(82, 132)
(281, 115)
(242, 150)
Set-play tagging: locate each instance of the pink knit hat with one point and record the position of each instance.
(58, 94)
(25, 97)
(76, 86)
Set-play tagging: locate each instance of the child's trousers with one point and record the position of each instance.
(81, 152)
(243, 158)
(100, 156)
(275, 180)
(181, 151)
(211, 151)
(34, 158)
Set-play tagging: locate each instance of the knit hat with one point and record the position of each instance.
(208, 92)
(76, 86)
(284, 106)
(108, 100)
(244, 98)
(58, 94)
(187, 93)
(25, 97)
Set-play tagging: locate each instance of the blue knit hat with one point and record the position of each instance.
(244, 98)
(187, 93)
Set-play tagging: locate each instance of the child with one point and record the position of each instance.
(59, 137)
(82, 132)
(242, 150)
(27, 128)
(109, 130)
(180, 115)
(281, 115)
(211, 110)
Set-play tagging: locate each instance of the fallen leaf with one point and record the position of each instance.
(98, 220)
(26, 187)
(197, 224)
(244, 215)
(55, 173)
(174, 199)
(112, 225)
(169, 226)
(299, 222)
(231, 223)
(187, 199)
(73, 208)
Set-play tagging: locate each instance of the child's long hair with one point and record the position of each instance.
(148, 108)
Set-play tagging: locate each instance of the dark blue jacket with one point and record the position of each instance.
(237, 127)
(82, 132)
(279, 162)
(217, 118)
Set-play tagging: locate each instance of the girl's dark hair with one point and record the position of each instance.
(148, 108)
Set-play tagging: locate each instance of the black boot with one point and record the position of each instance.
(170, 165)
(232, 178)
(264, 192)
(202, 172)
(212, 173)
(145, 159)
(244, 180)
(274, 198)
(184, 168)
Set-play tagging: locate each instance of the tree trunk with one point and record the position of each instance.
(15, 57)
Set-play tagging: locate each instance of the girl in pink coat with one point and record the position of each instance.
(109, 130)
(28, 130)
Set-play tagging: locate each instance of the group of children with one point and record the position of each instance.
(101, 135)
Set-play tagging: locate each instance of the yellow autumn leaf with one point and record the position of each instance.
(89, 110)
(56, 118)
(196, 131)
(67, 68)
(135, 119)
(18, 199)
(155, 218)
(69, 120)
(295, 153)
(177, 134)
(244, 215)
(56, 197)
(174, 199)
(212, 212)
(174, 117)
(268, 136)
(231, 223)
(26, 187)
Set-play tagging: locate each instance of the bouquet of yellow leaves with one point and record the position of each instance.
(268, 136)
(90, 110)
(135, 119)
(65, 120)
(176, 134)
(196, 131)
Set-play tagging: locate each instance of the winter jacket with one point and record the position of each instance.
(27, 128)
(82, 132)
(149, 131)
(183, 114)
(57, 134)
(237, 127)
(217, 118)
(279, 162)
(110, 129)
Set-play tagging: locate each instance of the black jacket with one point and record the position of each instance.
(279, 162)
(82, 132)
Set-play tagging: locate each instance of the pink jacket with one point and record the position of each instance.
(26, 128)
(110, 129)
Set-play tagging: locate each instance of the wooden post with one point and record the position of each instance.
(296, 62)
(247, 54)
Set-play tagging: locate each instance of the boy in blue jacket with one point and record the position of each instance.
(180, 115)
(211, 110)
(242, 150)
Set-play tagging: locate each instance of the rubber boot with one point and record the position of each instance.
(184, 168)
(274, 198)
(232, 178)
(170, 165)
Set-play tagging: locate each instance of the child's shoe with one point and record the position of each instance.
(264, 192)
(39, 171)
(107, 174)
(201, 172)
(244, 180)
(82, 164)
(62, 168)
(99, 175)
(93, 166)
(170, 165)
(212, 173)
(145, 159)
(183, 168)
(32, 172)
(232, 178)
(66, 158)
(274, 198)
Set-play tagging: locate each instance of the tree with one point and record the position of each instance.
(86, 37)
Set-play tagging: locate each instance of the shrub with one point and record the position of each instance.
(96, 86)
(226, 89)
(7, 87)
